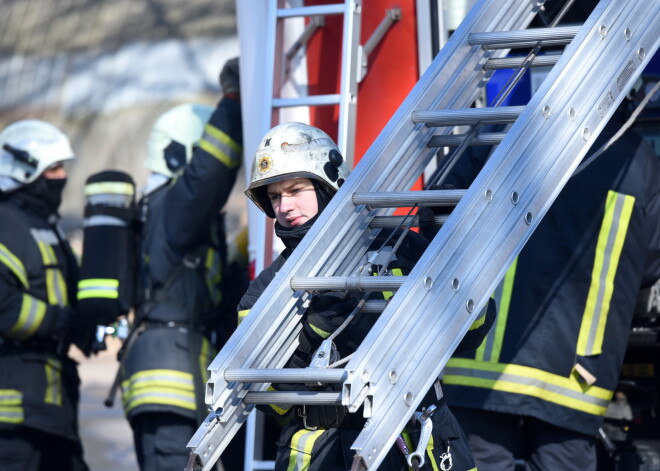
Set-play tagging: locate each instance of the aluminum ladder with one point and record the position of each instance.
(433, 306)
(346, 99)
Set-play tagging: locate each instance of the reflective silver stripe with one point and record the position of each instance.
(53, 393)
(618, 210)
(111, 188)
(102, 220)
(46, 236)
(545, 386)
(168, 387)
(121, 201)
(14, 264)
(11, 416)
(222, 143)
(302, 444)
(146, 377)
(30, 317)
(55, 284)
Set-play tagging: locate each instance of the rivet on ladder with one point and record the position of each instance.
(428, 283)
(408, 398)
(488, 195)
(627, 34)
(571, 114)
(393, 377)
(603, 31)
(514, 197)
(455, 284)
(528, 217)
(641, 53)
(470, 305)
(586, 134)
(365, 376)
(546, 112)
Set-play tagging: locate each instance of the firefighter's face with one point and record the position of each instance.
(294, 201)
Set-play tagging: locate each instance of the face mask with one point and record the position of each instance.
(54, 189)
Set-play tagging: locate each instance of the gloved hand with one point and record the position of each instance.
(325, 313)
(427, 225)
(229, 77)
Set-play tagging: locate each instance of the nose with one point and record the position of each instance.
(286, 203)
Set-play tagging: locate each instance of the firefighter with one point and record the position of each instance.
(296, 171)
(194, 153)
(39, 384)
(539, 387)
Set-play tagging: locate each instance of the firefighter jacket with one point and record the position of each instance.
(38, 274)
(179, 319)
(311, 438)
(566, 304)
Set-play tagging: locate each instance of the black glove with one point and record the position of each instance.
(326, 312)
(427, 225)
(229, 77)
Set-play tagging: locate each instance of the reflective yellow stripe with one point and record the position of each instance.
(204, 357)
(429, 453)
(567, 392)
(167, 387)
(320, 332)
(30, 317)
(278, 409)
(406, 438)
(14, 264)
(53, 382)
(242, 314)
(55, 285)
(491, 347)
(213, 275)
(302, 444)
(115, 188)
(98, 288)
(618, 210)
(221, 146)
(11, 406)
(479, 321)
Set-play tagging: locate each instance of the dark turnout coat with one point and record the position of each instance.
(326, 446)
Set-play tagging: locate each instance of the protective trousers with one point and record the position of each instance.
(498, 440)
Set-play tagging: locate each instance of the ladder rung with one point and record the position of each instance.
(303, 398)
(285, 375)
(334, 9)
(530, 44)
(349, 283)
(405, 199)
(392, 222)
(314, 100)
(517, 62)
(533, 35)
(374, 306)
(455, 140)
(468, 116)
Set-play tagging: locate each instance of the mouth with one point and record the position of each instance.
(294, 221)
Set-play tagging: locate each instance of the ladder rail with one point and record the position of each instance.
(457, 239)
(364, 178)
(277, 310)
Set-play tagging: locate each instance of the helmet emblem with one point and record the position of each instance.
(264, 164)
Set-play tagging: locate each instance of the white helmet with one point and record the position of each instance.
(173, 136)
(295, 150)
(29, 147)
